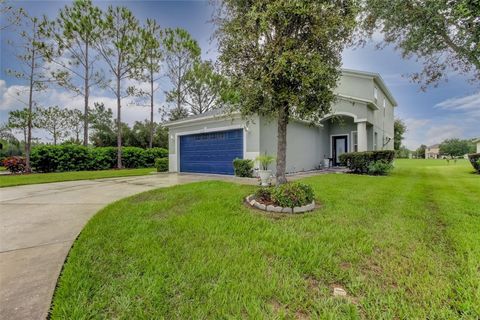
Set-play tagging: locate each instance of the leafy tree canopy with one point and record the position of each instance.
(399, 129)
(443, 34)
(456, 147)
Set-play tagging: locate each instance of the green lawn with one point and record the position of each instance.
(34, 178)
(405, 246)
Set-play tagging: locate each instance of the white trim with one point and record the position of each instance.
(331, 142)
(215, 117)
(207, 130)
(369, 103)
(344, 113)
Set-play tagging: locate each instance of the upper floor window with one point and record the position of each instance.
(375, 141)
(375, 93)
(384, 103)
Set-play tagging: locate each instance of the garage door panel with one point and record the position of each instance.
(211, 152)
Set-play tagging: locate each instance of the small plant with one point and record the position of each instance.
(263, 195)
(161, 164)
(15, 164)
(379, 168)
(243, 167)
(265, 161)
(293, 194)
(474, 159)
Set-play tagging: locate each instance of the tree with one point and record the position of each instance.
(456, 147)
(119, 48)
(402, 152)
(13, 16)
(151, 51)
(443, 34)
(31, 68)
(203, 88)
(177, 113)
(284, 58)
(399, 129)
(420, 152)
(181, 52)
(19, 120)
(54, 120)
(74, 32)
(75, 123)
(102, 124)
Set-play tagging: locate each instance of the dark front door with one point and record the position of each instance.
(339, 146)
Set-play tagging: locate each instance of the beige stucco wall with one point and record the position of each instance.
(306, 145)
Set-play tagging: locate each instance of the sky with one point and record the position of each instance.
(451, 110)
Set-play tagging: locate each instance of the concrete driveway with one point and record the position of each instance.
(38, 224)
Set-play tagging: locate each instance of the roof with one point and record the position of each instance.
(209, 114)
(377, 78)
(434, 146)
(220, 111)
(477, 140)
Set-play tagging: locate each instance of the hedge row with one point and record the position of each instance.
(475, 161)
(359, 162)
(49, 158)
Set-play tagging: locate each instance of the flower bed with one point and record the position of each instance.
(287, 198)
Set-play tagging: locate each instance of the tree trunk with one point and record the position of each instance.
(54, 136)
(282, 145)
(119, 127)
(28, 141)
(150, 143)
(85, 111)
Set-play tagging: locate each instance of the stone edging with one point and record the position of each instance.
(271, 208)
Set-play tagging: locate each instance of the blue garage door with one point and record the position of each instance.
(211, 152)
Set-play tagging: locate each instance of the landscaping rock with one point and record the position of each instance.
(252, 202)
(260, 206)
(310, 207)
(287, 210)
(270, 207)
(339, 292)
(299, 209)
(277, 209)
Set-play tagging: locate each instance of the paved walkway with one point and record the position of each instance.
(38, 224)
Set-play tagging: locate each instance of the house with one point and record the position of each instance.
(432, 152)
(477, 141)
(361, 119)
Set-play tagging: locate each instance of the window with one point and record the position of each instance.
(384, 103)
(375, 93)
(375, 141)
(354, 141)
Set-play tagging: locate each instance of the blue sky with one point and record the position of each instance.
(450, 110)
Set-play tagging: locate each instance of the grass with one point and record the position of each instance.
(405, 246)
(34, 178)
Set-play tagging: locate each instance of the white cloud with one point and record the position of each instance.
(469, 105)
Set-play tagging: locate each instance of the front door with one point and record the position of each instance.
(339, 146)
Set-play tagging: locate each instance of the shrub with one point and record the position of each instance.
(151, 155)
(161, 164)
(133, 157)
(243, 167)
(263, 194)
(379, 168)
(45, 158)
(71, 157)
(475, 161)
(15, 164)
(102, 158)
(359, 162)
(293, 194)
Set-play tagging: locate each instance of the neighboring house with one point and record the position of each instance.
(361, 119)
(477, 141)
(432, 152)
